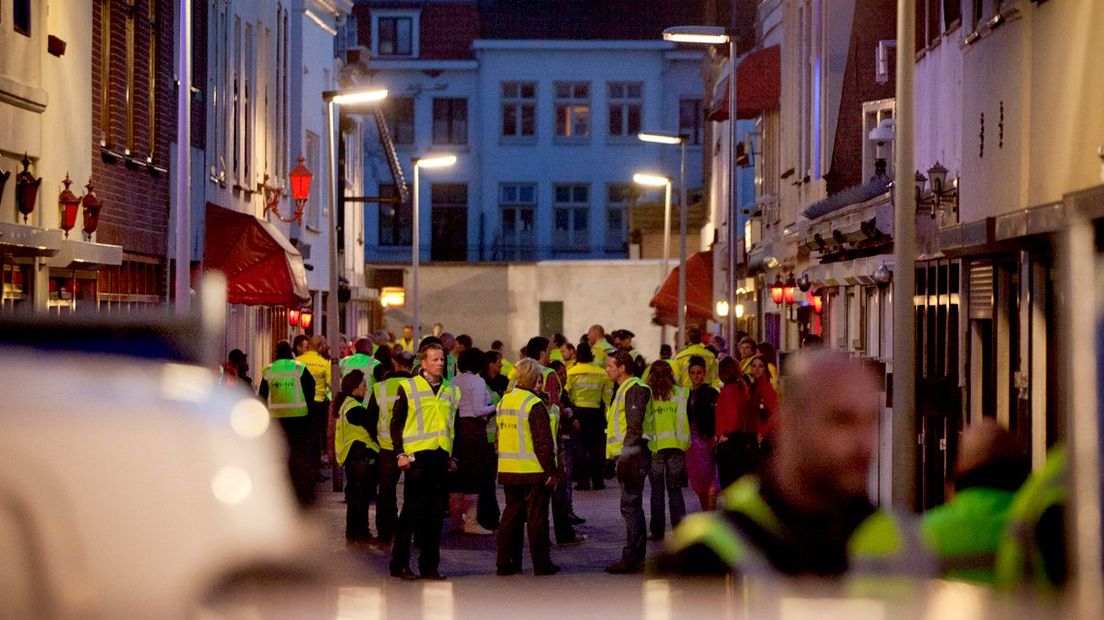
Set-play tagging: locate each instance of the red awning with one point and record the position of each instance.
(699, 291)
(758, 85)
(262, 268)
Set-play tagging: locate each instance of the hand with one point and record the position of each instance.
(404, 461)
(452, 466)
(552, 480)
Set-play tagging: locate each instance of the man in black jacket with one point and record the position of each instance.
(625, 443)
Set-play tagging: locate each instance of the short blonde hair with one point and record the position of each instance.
(527, 373)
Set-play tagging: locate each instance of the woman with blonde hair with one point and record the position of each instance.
(668, 430)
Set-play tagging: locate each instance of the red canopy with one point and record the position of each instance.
(699, 291)
(758, 85)
(262, 268)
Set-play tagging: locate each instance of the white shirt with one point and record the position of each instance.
(475, 400)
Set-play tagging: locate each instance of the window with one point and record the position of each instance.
(450, 121)
(395, 222)
(625, 104)
(571, 218)
(691, 118)
(448, 222)
(618, 197)
(573, 110)
(952, 15)
(519, 204)
(247, 106)
(400, 119)
(236, 103)
(313, 155)
(21, 17)
(394, 36)
(519, 109)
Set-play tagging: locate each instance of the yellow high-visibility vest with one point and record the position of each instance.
(589, 386)
(669, 424)
(516, 454)
(346, 433)
(430, 418)
(387, 392)
(617, 426)
(285, 389)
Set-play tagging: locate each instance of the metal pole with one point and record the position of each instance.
(665, 266)
(903, 472)
(734, 194)
(682, 247)
(414, 251)
(331, 297)
(183, 160)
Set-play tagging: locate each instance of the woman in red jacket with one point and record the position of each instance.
(732, 435)
(762, 402)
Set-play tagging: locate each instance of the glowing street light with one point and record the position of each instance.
(431, 161)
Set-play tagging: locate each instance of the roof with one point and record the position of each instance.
(852, 195)
(584, 19)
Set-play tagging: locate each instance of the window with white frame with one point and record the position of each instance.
(571, 223)
(874, 112)
(519, 110)
(691, 119)
(572, 111)
(518, 202)
(626, 105)
(450, 121)
(618, 197)
(399, 113)
(395, 34)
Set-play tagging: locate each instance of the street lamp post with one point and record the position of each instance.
(333, 99)
(652, 180)
(666, 137)
(715, 35)
(433, 161)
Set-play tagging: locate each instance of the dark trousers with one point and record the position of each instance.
(360, 478)
(737, 455)
(631, 472)
(319, 415)
(562, 507)
(668, 469)
(422, 513)
(526, 505)
(297, 433)
(593, 433)
(387, 501)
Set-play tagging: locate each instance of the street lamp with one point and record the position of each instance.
(715, 35)
(669, 137)
(431, 161)
(653, 180)
(335, 98)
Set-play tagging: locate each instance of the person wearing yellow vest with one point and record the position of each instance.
(808, 513)
(422, 431)
(590, 389)
(407, 340)
(681, 363)
(567, 354)
(356, 449)
(361, 359)
(668, 432)
(319, 405)
(527, 470)
(1033, 549)
(627, 446)
(599, 346)
(747, 350)
(285, 386)
(381, 407)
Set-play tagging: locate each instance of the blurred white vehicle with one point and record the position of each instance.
(133, 484)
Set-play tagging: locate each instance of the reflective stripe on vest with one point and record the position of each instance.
(516, 454)
(670, 427)
(285, 389)
(346, 433)
(431, 426)
(1019, 557)
(387, 393)
(617, 425)
(359, 361)
(586, 385)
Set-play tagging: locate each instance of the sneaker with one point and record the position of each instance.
(476, 529)
(623, 567)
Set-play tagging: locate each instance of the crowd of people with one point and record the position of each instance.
(780, 475)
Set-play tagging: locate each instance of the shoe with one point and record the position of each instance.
(579, 538)
(433, 576)
(623, 567)
(477, 530)
(575, 519)
(582, 487)
(551, 570)
(405, 574)
(508, 570)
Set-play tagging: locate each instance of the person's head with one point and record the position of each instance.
(438, 329)
(432, 357)
(661, 379)
(766, 351)
(284, 350)
(561, 370)
(383, 356)
(316, 343)
(429, 340)
(299, 345)
(584, 354)
(990, 457)
(403, 361)
(470, 360)
(720, 344)
(448, 341)
(728, 371)
(354, 383)
(619, 366)
(595, 333)
(759, 369)
(408, 331)
(380, 337)
(363, 346)
(537, 349)
(694, 334)
(492, 364)
(463, 343)
(665, 352)
(527, 375)
(827, 430)
(239, 359)
(696, 370)
(497, 346)
(747, 347)
(567, 351)
(558, 340)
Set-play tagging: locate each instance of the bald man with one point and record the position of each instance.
(809, 513)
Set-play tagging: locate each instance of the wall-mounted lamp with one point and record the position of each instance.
(789, 290)
(392, 296)
(300, 177)
(26, 189)
(293, 317)
(68, 205)
(305, 319)
(818, 301)
(882, 276)
(739, 311)
(777, 290)
(940, 196)
(722, 308)
(91, 206)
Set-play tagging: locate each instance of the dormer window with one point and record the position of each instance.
(395, 34)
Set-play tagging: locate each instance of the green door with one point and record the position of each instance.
(551, 318)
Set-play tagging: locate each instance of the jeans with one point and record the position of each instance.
(562, 507)
(422, 515)
(359, 488)
(297, 431)
(668, 468)
(631, 471)
(387, 501)
(526, 507)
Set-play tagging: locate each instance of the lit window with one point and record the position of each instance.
(573, 110)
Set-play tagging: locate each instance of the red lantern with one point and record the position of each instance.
(92, 206)
(790, 289)
(818, 302)
(293, 317)
(305, 319)
(67, 207)
(300, 181)
(777, 290)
